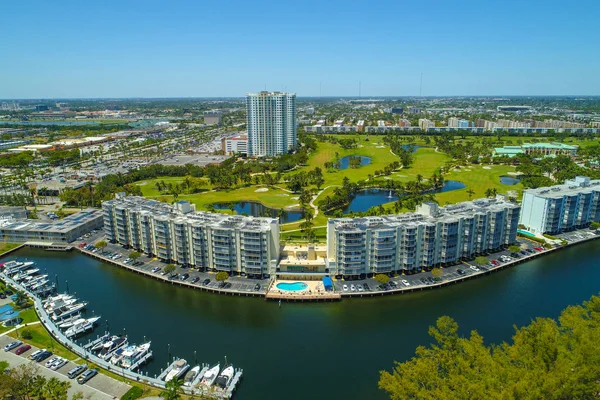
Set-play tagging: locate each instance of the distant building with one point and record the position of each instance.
(537, 149)
(213, 117)
(271, 123)
(41, 108)
(360, 126)
(514, 108)
(562, 207)
(457, 123)
(414, 110)
(425, 124)
(236, 145)
(397, 110)
(310, 110)
(13, 212)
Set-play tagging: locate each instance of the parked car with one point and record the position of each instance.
(206, 281)
(184, 276)
(360, 288)
(538, 248)
(76, 371)
(42, 356)
(196, 279)
(58, 364)
(257, 287)
(460, 272)
(366, 286)
(474, 268)
(495, 262)
(392, 284)
(352, 288)
(227, 285)
(52, 361)
(36, 353)
(12, 345)
(345, 288)
(86, 376)
(405, 282)
(22, 349)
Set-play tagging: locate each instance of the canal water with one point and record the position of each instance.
(324, 350)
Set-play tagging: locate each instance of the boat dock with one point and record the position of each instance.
(141, 361)
(164, 374)
(217, 392)
(197, 380)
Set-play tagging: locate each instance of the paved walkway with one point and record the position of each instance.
(19, 327)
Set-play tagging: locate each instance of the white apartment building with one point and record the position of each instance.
(237, 144)
(271, 123)
(425, 124)
(176, 233)
(409, 242)
(562, 207)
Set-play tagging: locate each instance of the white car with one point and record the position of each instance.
(58, 364)
(51, 361)
(352, 288)
(405, 282)
(474, 268)
(360, 288)
(36, 353)
(345, 287)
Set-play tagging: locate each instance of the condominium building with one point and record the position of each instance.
(237, 144)
(454, 122)
(575, 204)
(431, 236)
(271, 123)
(177, 233)
(425, 124)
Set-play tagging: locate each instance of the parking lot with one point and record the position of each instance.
(98, 387)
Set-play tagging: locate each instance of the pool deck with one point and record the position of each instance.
(313, 292)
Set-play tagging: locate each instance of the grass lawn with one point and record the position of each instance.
(42, 339)
(299, 237)
(4, 247)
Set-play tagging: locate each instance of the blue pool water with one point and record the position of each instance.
(292, 287)
(525, 233)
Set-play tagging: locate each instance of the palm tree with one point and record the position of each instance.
(470, 192)
(172, 390)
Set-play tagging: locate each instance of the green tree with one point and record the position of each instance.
(547, 359)
(470, 192)
(514, 248)
(26, 333)
(21, 298)
(101, 245)
(436, 272)
(382, 278)
(595, 225)
(481, 260)
(169, 268)
(172, 390)
(222, 276)
(134, 255)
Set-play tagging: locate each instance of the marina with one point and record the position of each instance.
(511, 296)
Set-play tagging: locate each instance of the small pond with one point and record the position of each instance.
(259, 210)
(366, 199)
(509, 180)
(345, 161)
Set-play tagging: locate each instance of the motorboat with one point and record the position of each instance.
(35, 281)
(68, 310)
(117, 356)
(103, 340)
(211, 375)
(81, 326)
(133, 354)
(52, 300)
(191, 375)
(68, 322)
(179, 368)
(60, 303)
(109, 347)
(225, 377)
(31, 271)
(13, 266)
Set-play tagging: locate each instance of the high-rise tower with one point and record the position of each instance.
(271, 123)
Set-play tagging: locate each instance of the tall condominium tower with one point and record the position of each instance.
(271, 123)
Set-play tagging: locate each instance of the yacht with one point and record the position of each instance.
(225, 377)
(191, 375)
(14, 266)
(211, 375)
(68, 310)
(35, 281)
(109, 347)
(117, 356)
(51, 307)
(31, 271)
(133, 354)
(50, 301)
(103, 340)
(179, 368)
(81, 326)
(68, 322)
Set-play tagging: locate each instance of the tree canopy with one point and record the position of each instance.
(547, 359)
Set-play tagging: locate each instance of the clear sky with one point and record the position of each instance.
(127, 48)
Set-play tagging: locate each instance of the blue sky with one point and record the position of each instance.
(58, 49)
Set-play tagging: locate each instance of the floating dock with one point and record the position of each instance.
(141, 361)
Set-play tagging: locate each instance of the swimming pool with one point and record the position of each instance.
(292, 287)
(525, 233)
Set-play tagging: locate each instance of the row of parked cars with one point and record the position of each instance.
(80, 372)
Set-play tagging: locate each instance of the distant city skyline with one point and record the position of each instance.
(148, 50)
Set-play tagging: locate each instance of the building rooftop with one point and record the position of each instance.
(572, 187)
(64, 225)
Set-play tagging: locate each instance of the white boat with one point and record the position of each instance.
(50, 301)
(68, 322)
(68, 310)
(98, 346)
(109, 347)
(116, 357)
(225, 377)
(191, 375)
(133, 354)
(179, 368)
(58, 304)
(211, 375)
(36, 280)
(32, 271)
(81, 326)
(13, 266)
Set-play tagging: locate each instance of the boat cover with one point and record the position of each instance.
(327, 283)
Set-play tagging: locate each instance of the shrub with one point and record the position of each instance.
(26, 334)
